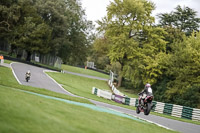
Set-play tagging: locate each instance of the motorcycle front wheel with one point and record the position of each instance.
(27, 79)
(137, 110)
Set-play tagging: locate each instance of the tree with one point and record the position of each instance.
(9, 17)
(31, 33)
(58, 27)
(182, 18)
(132, 38)
(174, 35)
(183, 68)
(70, 29)
(99, 53)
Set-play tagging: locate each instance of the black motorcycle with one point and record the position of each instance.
(145, 104)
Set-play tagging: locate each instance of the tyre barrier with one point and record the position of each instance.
(177, 111)
(159, 107)
(101, 93)
(196, 114)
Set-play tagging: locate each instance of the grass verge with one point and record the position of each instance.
(8, 61)
(83, 87)
(22, 112)
(7, 79)
(84, 71)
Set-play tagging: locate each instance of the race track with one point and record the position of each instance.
(41, 80)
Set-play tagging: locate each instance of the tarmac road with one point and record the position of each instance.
(41, 80)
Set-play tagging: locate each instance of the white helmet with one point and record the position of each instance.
(147, 85)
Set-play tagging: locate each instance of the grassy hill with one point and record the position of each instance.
(23, 112)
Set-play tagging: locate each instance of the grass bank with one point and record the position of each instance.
(84, 71)
(8, 80)
(83, 87)
(22, 112)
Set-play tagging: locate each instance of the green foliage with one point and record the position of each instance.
(183, 67)
(183, 18)
(58, 27)
(125, 47)
(162, 56)
(174, 35)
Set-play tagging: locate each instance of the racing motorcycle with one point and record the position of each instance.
(27, 76)
(145, 103)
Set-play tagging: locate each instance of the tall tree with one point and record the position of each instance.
(184, 19)
(131, 36)
(31, 33)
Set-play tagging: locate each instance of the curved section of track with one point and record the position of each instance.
(41, 80)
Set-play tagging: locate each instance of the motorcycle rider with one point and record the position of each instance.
(146, 91)
(28, 74)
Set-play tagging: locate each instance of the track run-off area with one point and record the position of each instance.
(41, 80)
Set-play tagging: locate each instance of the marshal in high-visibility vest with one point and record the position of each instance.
(1, 57)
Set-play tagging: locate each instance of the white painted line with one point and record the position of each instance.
(140, 118)
(15, 74)
(57, 82)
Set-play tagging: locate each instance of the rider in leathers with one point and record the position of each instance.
(145, 91)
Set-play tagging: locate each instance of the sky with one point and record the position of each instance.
(96, 9)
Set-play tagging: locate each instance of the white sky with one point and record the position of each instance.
(96, 9)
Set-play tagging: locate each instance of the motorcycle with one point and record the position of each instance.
(145, 104)
(27, 77)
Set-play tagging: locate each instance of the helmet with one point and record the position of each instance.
(28, 71)
(147, 85)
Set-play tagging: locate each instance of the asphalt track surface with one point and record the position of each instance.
(41, 80)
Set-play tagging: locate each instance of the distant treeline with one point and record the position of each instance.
(58, 27)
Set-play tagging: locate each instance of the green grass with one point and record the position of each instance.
(128, 92)
(83, 87)
(84, 71)
(8, 61)
(7, 79)
(46, 66)
(21, 112)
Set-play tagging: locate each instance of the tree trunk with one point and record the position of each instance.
(28, 58)
(119, 81)
(120, 77)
